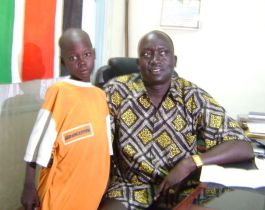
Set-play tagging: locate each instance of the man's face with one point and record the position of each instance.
(156, 59)
(79, 57)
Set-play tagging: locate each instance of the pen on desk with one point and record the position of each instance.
(258, 142)
(260, 155)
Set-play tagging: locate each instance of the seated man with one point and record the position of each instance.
(157, 118)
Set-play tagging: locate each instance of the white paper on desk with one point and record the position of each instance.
(260, 163)
(233, 177)
(256, 127)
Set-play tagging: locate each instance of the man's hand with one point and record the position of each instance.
(182, 170)
(30, 199)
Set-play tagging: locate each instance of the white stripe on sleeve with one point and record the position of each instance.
(47, 143)
(45, 130)
(36, 133)
(109, 134)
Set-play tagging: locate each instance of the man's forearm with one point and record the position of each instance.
(228, 152)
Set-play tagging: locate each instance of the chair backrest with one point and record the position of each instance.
(116, 67)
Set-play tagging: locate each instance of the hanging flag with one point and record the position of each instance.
(71, 19)
(6, 20)
(38, 39)
(29, 37)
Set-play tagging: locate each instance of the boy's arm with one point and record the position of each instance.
(30, 198)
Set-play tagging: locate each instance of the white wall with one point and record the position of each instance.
(19, 105)
(114, 34)
(225, 56)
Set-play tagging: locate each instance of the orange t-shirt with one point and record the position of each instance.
(74, 131)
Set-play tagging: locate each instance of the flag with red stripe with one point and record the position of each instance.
(29, 36)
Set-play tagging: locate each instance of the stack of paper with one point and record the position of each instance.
(233, 177)
(257, 116)
(256, 125)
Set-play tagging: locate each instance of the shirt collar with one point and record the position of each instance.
(175, 89)
(175, 86)
(77, 83)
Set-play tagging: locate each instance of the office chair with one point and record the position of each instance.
(116, 66)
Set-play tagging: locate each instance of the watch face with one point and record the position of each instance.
(197, 160)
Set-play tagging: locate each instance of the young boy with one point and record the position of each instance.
(72, 128)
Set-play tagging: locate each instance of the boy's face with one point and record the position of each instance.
(78, 57)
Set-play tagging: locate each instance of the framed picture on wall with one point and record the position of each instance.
(181, 14)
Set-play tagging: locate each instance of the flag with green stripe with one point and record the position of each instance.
(29, 35)
(6, 33)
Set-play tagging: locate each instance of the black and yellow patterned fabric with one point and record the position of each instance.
(148, 141)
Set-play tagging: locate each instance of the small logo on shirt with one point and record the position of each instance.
(78, 133)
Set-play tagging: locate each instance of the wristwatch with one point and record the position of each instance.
(197, 160)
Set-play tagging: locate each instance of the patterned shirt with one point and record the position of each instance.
(148, 141)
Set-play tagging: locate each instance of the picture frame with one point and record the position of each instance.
(183, 14)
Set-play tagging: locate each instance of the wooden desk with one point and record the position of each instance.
(236, 199)
(196, 207)
(186, 204)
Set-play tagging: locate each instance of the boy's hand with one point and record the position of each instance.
(30, 199)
